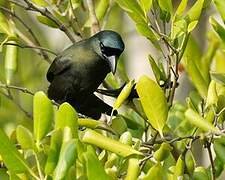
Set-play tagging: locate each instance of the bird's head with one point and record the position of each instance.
(109, 45)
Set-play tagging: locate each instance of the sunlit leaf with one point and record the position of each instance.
(145, 5)
(43, 115)
(182, 6)
(220, 5)
(154, 102)
(10, 61)
(25, 137)
(123, 95)
(40, 2)
(218, 28)
(133, 169)
(195, 119)
(155, 172)
(212, 96)
(67, 116)
(218, 77)
(109, 144)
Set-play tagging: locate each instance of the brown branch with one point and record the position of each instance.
(31, 47)
(45, 12)
(92, 15)
(13, 14)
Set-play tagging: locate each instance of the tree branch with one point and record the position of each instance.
(31, 47)
(13, 14)
(94, 21)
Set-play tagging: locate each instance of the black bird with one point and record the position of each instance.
(77, 72)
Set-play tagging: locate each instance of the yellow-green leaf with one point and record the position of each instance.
(43, 115)
(25, 137)
(154, 102)
(212, 96)
(123, 95)
(220, 5)
(195, 119)
(47, 21)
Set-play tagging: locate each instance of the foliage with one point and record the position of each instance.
(153, 136)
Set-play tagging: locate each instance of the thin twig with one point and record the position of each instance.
(29, 115)
(94, 21)
(13, 14)
(208, 146)
(45, 12)
(31, 47)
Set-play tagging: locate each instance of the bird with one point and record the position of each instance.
(77, 72)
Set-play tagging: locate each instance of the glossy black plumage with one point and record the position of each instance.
(77, 72)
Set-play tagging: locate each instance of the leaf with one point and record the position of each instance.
(195, 119)
(53, 154)
(212, 96)
(154, 102)
(220, 6)
(133, 169)
(166, 5)
(11, 156)
(179, 168)
(94, 169)
(67, 116)
(218, 77)
(182, 6)
(193, 14)
(4, 25)
(163, 152)
(145, 5)
(126, 138)
(218, 28)
(155, 172)
(43, 115)
(155, 69)
(109, 144)
(66, 159)
(25, 138)
(189, 162)
(10, 61)
(40, 2)
(144, 30)
(133, 9)
(123, 95)
(46, 21)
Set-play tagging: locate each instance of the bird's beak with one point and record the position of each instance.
(112, 63)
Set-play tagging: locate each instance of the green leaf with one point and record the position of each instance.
(3, 174)
(109, 144)
(154, 102)
(126, 138)
(163, 152)
(10, 61)
(40, 2)
(25, 138)
(53, 154)
(218, 28)
(94, 168)
(46, 21)
(157, 73)
(218, 77)
(182, 6)
(133, 9)
(143, 29)
(101, 9)
(190, 162)
(66, 159)
(123, 95)
(166, 5)
(179, 168)
(220, 6)
(155, 172)
(195, 119)
(67, 116)
(133, 169)
(212, 96)
(200, 173)
(194, 13)
(43, 115)
(11, 156)
(4, 25)
(145, 5)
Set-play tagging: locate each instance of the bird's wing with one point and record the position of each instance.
(58, 66)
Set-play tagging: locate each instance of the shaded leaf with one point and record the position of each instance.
(218, 28)
(154, 102)
(94, 168)
(212, 96)
(46, 21)
(218, 77)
